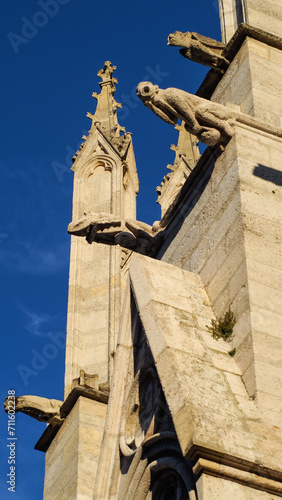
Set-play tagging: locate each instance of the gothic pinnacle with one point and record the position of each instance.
(105, 113)
(106, 74)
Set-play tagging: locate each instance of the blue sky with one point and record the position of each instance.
(51, 52)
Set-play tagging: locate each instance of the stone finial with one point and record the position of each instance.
(106, 111)
(106, 74)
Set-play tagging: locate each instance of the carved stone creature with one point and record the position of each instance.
(200, 49)
(210, 122)
(111, 230)
(42, 409)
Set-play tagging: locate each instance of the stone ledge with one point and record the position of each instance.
(250, 475)
(50, 432)
(213, 77)
(205, 459)
(262, 129)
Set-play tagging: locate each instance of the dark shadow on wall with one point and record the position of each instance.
(268, 174)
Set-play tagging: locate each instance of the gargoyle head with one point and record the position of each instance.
(178, 39)
(146, 90)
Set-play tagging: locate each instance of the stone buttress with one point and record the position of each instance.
(178, 392)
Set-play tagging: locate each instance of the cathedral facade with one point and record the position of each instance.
(173, 369)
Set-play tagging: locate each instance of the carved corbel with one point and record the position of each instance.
(90, 381)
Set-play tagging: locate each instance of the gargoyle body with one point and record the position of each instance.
(200, 49)
(42, 409)
(210, 122)
(111, 230)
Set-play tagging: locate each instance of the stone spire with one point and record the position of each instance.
(105, 181)
(186, 156)
(105, 119)
(105, 116)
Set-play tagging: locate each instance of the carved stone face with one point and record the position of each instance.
(178, 38)
(146, 90)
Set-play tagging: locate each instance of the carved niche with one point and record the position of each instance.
(95, 184)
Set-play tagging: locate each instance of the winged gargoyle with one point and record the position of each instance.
(111, 230)
(200, 49)
(42, 409)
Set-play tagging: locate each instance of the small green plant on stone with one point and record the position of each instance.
(223, 328)
(232, 352)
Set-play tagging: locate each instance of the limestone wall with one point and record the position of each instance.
(218, 488)
(263, 14)
(229, 232)
(72, 458)
(247, 83)
(219, 428)
(93, 311)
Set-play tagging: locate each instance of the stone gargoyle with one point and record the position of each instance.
(111, 230)
(200, 49)
(42, 409)
(210, 122)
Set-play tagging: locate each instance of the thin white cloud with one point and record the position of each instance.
(35, 322)
(28, 258)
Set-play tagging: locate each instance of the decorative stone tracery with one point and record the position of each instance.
(104, 161)
(140, 409)
(158, 471)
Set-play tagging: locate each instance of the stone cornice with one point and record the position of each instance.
(50, 432)
(232, 48)
(248, 474)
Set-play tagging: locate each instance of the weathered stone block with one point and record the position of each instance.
(72, 457)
